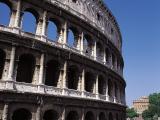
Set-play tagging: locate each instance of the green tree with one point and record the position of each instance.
(154, 107)
(131, 113)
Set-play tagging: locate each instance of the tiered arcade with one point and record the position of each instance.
(77, 74)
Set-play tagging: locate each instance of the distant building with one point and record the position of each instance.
(141, 104)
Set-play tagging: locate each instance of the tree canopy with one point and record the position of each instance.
(131, 113)
(154, 107)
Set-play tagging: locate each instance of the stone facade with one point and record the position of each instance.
(45, 79)
(141, 104)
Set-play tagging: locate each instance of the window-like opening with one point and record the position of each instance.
(73, 115)
(52, 73)
(99, 52)
(102, 116)
(73, 77)
(113, 60)
(26, 66)
(22, 114)
(88, 45)
(50, 115)
(101, 85)
(2, 62)
(116, 91)
(75, 1)
(107, 55)
(98, 17)
(53, 30)
(110, 87)
(89, 82)
(110, 116)
(29, 21)
(89, 116)
(5, 13)
(116, 116)
(112, 31)
(71, 38)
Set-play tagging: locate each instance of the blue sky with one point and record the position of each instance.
(139, 21)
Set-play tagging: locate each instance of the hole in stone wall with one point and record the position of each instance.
(110, 87)
(50, 115)
(22, 114)
(2, 62)
(5, 14)
(88, 45)
(73, 77)
(89, 82)
(52, 73)
(101, 86)
(52, 31)
(110, 116)
(26, 66)
(72, 115)
(102, 116)
(29, 21)
(89, 116)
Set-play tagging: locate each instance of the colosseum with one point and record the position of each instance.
(74, 73)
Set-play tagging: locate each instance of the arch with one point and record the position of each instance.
(5, 16)
(53, 29)
(26, 66)
(113, 60)
(32, 16)
(50, 115)
(89, 116)
(110, 88)
(72, 115)
(110, 116)
(99, 51)
(101, 85)
(102, 116)
(73, 77)
(52, 73)
(116, 90)
(72, 37)
(2, 61)
(22, 114)
(88, 45)
(117, 117)
(107, 52)
(89, 82)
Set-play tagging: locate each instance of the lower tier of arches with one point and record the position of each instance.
(20, 106)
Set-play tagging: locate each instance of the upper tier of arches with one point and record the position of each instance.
(56, 29)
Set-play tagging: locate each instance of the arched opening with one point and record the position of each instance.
(5, 13)
(110, 116)
(116, 90)
(50, 115)
(53, 30)
(99, 52)
(2, 61)
(89, 116)
(102, 116)
(52, 73)
(26, 66)
(73, 115)
(89, 82)
(73, 77)
(101, 85)
(117, 116)
(72, 37)
(88, 45)
(107, 55)
(22, 114)
(110, 88)
(113, 60)
(29, 21)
